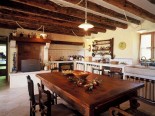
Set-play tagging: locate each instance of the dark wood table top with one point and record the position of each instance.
(109, 90)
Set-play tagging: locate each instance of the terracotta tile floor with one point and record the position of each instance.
(15, 102)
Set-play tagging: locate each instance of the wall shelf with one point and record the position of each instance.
(103, 47)
(29, 40)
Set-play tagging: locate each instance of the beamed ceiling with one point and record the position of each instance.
(64, 16)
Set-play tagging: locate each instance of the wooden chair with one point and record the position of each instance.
(115, 72)
(52, 110)
(34, 99)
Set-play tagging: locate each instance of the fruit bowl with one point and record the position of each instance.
(80, 74)
(67, 72)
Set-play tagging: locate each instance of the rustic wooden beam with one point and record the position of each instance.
(52, 7)
(17, 16)
(31, 22)
(8, 26)
(132, 8)
(51, 29)
(104, 10)
(50, 15)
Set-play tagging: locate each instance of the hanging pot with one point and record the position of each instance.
(93, 54)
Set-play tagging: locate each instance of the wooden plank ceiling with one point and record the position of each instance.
(31, 14)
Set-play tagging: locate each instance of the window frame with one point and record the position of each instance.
(152, 44)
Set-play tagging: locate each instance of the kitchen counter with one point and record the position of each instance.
(95, 63)
(65, 61)
(104, 64)
(87, 66)
(140, 71)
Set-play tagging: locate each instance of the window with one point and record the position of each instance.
(147, 45)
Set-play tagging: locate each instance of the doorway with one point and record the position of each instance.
(3, 58)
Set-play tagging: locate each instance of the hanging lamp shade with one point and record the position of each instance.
(43, 35)
(85, 26)
(141, 30)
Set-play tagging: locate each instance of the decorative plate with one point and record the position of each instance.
(122, 45)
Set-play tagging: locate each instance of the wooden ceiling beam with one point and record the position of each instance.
(52, 7)
(132, 8)
(104, 10)
(17, 16)
(51, 15)
(34, 26)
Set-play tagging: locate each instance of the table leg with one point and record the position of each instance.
(89, 112)
(134, 103)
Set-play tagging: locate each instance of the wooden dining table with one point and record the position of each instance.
(110, 92)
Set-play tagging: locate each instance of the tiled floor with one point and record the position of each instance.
(15, 102)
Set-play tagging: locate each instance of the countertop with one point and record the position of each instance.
(93, 63)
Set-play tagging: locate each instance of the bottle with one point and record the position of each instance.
(45, 68)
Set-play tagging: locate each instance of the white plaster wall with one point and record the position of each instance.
(6, 32)
(130, 36)
(56, 51)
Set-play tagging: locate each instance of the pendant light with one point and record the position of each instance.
(141, 30)
(86, 25)
(43, 35)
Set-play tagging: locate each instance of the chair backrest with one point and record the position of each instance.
(31, 89)
(44, 101)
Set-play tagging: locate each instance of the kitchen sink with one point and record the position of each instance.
(141, 70)
(143, 67)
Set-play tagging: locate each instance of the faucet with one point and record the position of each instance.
(143, 58)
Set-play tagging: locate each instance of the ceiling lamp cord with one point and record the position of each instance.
(86, 25)
(79, 2)
(125, 16)
(86, 11)
(43, 29)
(23, 28)
(128, 20)
(19, 25)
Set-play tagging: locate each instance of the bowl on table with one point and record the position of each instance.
(81, 74)
(67, 72)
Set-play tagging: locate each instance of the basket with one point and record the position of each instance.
(114, 62)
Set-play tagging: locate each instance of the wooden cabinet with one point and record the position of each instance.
(103, 47)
